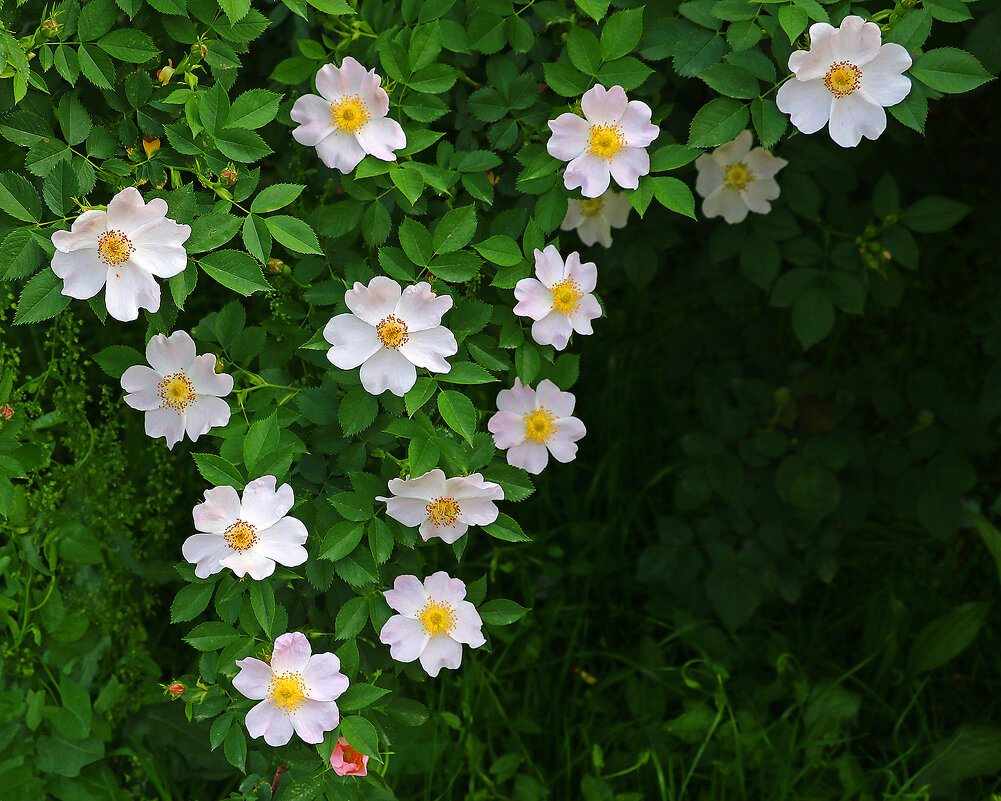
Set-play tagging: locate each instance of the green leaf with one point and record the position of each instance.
(500, 249)
(359, 696)
(217, 471)
(128, 44)
(256, 237)
(409, 181)
(351, 618)
(341, 540)
(67, 757)
(74, 121)
(235, 9)
(769, 122)
(911, 30)
(565, 79)
(191, 601)
(212, 636)
(242, 145)
(621, 33)
(812, 317)
(455, 230)
(335, 7)
(20, 254)
(670, 157)
(293, 233)
(793, 20)
(584, 50)
(361, 735)
(261, 438)
(913, 110)
(357, 410)
(933, 214)
(718, 122)
(458, 413)
(501, 612)
(76, 712)
(595, 9)
(466, 373)
(41, 299)
(235, 270)
(419, 394)
(235, 748)
(18, 197)
(946, 637)
(628, 72)
(416, 242)
(731, 80)
(950, 70)
(506, 528)
(253, 108)
(212, 231)
(456, 267)
(116, 359)
(675, 195)
(262, 600)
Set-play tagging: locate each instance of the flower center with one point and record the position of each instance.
(287, 691)
(350, 113)
(443, 511)
(737, 176)
(352, 756)
(566, 296)
(540, 425)
(605, 141)
(114, 248)
(240, 535)
(843, 78)
(437, 618)
(176, 392)
(392, 332)
(591, 207)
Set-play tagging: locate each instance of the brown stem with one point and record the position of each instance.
(278, 776)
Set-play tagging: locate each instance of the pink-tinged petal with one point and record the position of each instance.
(808, 104)
(165, 423)
(374, 95)
(381, 137)
(617, 208)
(269, 721)
(809, 65)
(83, 273)
(408, 511)
(407, 595)
(549, 266)
(353, 76)
(263, 505)
(602, 106)
(519, 399)
(354, 341)
(170, 354)
(447, 534)
(251, 563)
(563, 443)
(127, 211)
(570, 136)
(424, 487)
(589, 309)
(726, 203)
(553, 329)
(636, 126)
(473, 486)
(388, 369)
(323, 677)
(83, 234)
(530, 456)
(478, 511)
(763, 164)
(534, 300)
(205, 552)
(314, 718)
(345, 767)
(206, 413)
(441, 652)
(291, 653)
(129, 289)
(468, 625)
(573, 218)
(253, 678)
(853, 117)
(328, 84)
(588, 173)
(549, 396)
(163, 261)
(710, 175)
(375, 302)
(442, 587)
(405, 637)
(856, 41)
(145, 400)
(881, 78)
(420, 308)
(508, 429)
(759, 193)
(161, 231)
(220, 510)
(283, 542)
(206, 380)
(584, 273)
(340, 151)
(736, 150)
(629, 165)
(314, 118)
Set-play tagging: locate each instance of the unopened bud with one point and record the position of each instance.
(199, 50)
(164, 74)
(887, 255)
(228, 176)
(276, 265)
(176, 690)
(220, 365)
(6, 412)
(50, 28)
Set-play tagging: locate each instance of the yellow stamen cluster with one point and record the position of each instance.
(605, 141)
(350, 113)
(591, 207)
(287, 691)
(566, 296)
(114, 248)
(176, 392)
(392, 332)
(843, 78)
(437, 618)
(241, 536)
(443, 511)
(540, 425)
(737, 176)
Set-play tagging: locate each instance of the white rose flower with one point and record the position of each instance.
(390, 332)
(181, 392)
(594, 218)
(608, 142)
(248, 535)
(121, 248)
(443, 507)
(434, 621)
(844, 80)
(349, 120)
(559, 300)
(734, 179)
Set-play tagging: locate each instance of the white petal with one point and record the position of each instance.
(405, 637)
(636, 126)
(380, 137)
(84, 233)
(595, 229)
(408, 511)
(283, 542)
(250, 563)
(145, 400)
(508, 429)
(328, 84)
(710, 175)
(353, 76)
(442, 587)
(388, 369)
(553, 329)
(171, 354)
(263, 505)
(420, 308)
(140, 378)
(520, 399)
(573, 217)
(530, 456)
(735, 150)
(353, 339)
(447, 534)
(763, 164)
(588, 173)
(83, 273)
(206, 413)
(549, 266)
(534, 300)
(853, 117)
(473, 486)
(629, 165)
(323, 677)
(220, 510)
(206, 380)
(726, 203)
(584, 273)
(808, 65)
(808, 104)
(314, 118)
(478, 511)
(166, 423)
(468, 625)
(160, 231)
(441, 652)
(314, 718)
(589, 309)
(759, 193)
(425, 487)
(375, 302)
(253, 678)
(374, 95)
(407, 595)
(205, 552)
(562, 444)
(268, 720)
(340, 151)
(570, 136)
(856, 41)
(291, 653)
(163, 261)
(129, 289)
(127, 211)
(881, 78)
(601, 106)
(549, 396)
(617, 208)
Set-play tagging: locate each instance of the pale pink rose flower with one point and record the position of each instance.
(559, 299)
(609, 141)
(248, 535)
(122, 249)
(348, 119)
(296, 690)
(844, 81)
(181, 393)
(531, 424)
(734, 179)
(594, 218)
(434, 621)
(346, 761)
(443, 507)
(390, 332)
